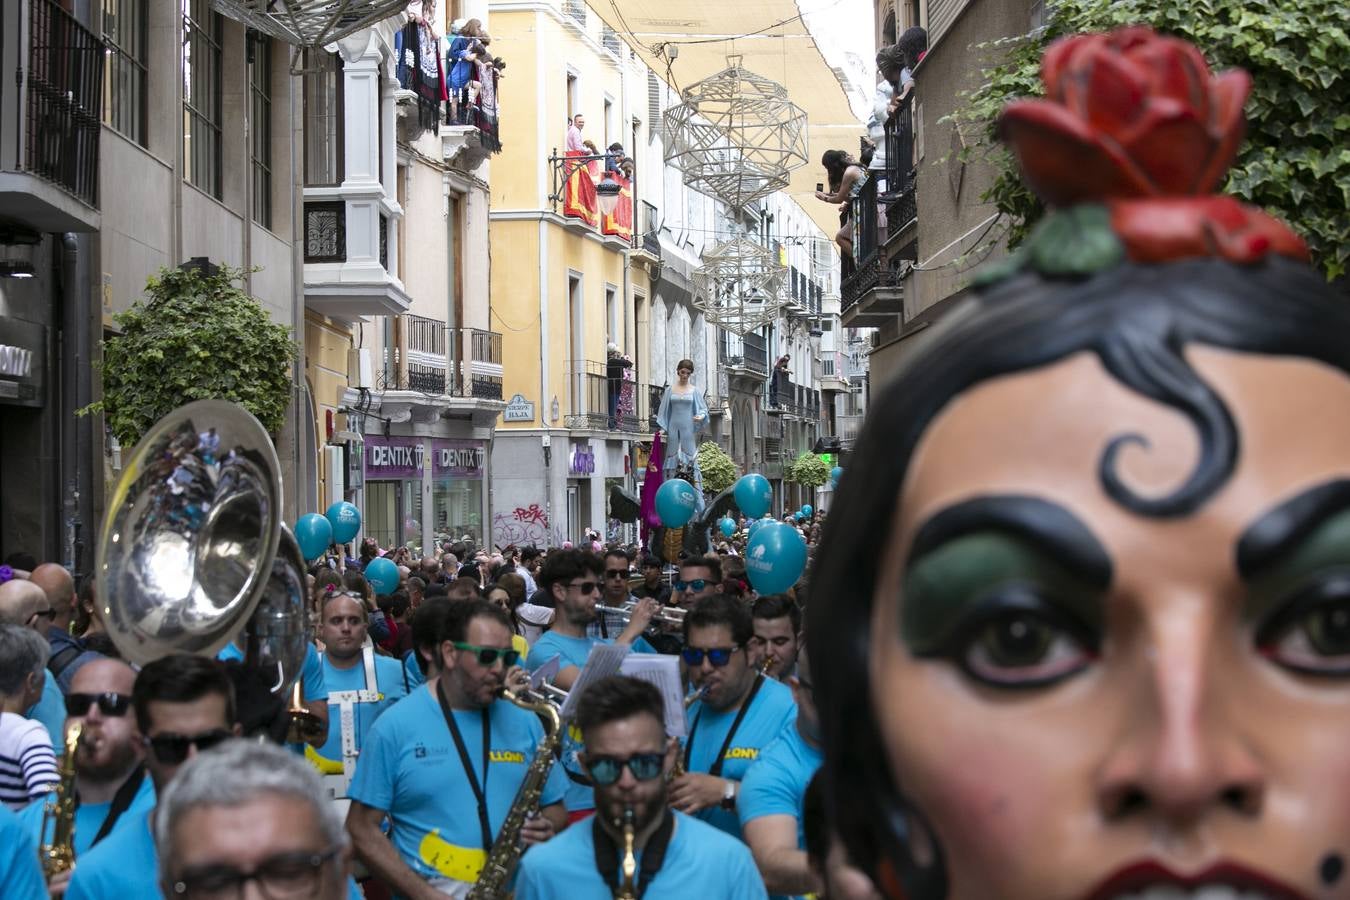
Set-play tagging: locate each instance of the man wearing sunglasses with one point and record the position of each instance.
(613, 592)
(773, 797)
(445, 763)
(629, 757)
(109, 763)
(573, 579)
(738, 714)
(361, 686)
(184, 705)
(700, 576)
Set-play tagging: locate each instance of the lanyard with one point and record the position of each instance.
(120, 801)
(716, 769)
(479, 791)
(653, 855)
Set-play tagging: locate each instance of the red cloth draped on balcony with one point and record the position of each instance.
(620, 224)
(579, 200)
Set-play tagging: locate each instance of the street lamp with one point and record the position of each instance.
(607, 194)
(16, 253)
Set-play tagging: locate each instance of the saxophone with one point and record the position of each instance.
(505, 852)
(690, 699)
(59, 855)
(628, 888)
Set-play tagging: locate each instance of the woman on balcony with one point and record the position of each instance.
(847, 179)
(683, 414)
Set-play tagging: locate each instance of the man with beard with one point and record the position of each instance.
(629, 758)
(777, 620)
(110, 777)
(652, 584)
(572, 577)
(738, 714)
(613, 592)
(361, 686)
(773, 797)
(444, 766)
(184, 705)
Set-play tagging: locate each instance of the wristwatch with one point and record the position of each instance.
(729, 796)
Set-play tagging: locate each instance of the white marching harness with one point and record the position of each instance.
(346, 701)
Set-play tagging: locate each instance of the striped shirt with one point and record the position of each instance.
(27, 762)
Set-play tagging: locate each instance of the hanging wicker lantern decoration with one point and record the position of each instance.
(740, 285)
(736, 136)
(309, 23)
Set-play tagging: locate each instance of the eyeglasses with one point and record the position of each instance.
(616, 573)
(605, 770)
(172, 749)
(110, 704)
(694, 586)
(281, 877)
(718, 656)
(488, 655)
(586, 588)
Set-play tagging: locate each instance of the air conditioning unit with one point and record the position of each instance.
(360, 370)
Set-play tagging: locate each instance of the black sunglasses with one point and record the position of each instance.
(605, 770)
(616, 573)
(110, 704)
(488, 655)
(172, 749)
(718, 656)
(586, 588)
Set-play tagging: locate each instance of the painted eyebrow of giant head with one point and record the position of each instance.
(1038, 521)
(1277, 532)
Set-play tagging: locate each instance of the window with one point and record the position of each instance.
(202, 96)
(260, 125)
(323, 118)
(125, 67)
(612, 322)
(609, 123)
(573, 97)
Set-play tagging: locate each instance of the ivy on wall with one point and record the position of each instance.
(719, 470)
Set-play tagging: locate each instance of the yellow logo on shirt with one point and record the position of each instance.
(506, 756)
(751, 753)
(459, 863)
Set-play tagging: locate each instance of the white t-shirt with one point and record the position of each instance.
(27, 761)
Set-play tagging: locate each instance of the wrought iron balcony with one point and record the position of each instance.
(50, 113)
(431, 358)
(747, 354)
(600, 403)
(582, 182)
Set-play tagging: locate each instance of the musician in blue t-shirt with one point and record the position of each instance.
(630, 759)
(313, 690)
(445, 763)
(573, 578)
(19, 871)
(773, 794)
(739, 712)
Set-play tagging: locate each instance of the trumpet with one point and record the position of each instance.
(669, 615)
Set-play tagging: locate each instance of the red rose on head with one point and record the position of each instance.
(1127, 114)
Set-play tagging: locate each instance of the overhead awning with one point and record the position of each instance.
(773, 40)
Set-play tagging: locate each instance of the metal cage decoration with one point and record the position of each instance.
(740, 286)
(309, 23)
(736, 135)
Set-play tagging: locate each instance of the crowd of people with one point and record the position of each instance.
(187, 771)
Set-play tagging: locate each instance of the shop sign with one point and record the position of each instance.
(22, 361)
(518, 409)
(582, 461)
(391, 458)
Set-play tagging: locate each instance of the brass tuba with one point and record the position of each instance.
(193, 549)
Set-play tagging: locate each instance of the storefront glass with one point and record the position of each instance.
(394, 476)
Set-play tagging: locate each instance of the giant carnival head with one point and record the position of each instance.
(1105, 645)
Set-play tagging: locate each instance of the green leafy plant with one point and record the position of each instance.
(195, 336)
(719, 470)
(809, 470)
(1294, 162)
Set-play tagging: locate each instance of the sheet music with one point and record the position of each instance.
(547, 672)
(604, 661)
(664, 672)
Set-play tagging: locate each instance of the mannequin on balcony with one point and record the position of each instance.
(683, 414)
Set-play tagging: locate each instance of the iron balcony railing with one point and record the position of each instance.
(749, 352)
(51, 114)
(432, 358)
(601, 403)
(577, 181)
(898, 197)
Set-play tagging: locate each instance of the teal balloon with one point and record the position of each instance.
(807, 510)
(836, 473)
(314, 534)
(775, 557)
(753, 494)
(345, 519)
(676, 501)
(382, 575)
(728, 526)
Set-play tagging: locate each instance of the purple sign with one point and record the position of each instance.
(389, 458)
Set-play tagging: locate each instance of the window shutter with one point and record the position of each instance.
(653, 107)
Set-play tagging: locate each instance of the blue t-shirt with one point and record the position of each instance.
(389, 682)
(311, 675)
(19, 871)
(51, 712)
(89, 817)
(574, 651)
(412, 672)
(770, 714)
(700, 862)
(410, 769)
(125, 865)
(775, 784)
